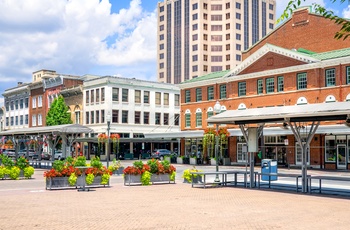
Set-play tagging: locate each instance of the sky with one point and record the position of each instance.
(78, 37)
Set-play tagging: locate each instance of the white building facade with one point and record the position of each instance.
(134, 107)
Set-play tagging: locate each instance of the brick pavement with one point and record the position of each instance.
(25, 204)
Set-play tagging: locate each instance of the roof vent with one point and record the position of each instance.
(330, 98)
(242, 106)
(301, 101)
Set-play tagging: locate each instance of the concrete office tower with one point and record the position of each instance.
(197, 37)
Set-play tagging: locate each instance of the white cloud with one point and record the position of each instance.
(346, 12)
(73, 37)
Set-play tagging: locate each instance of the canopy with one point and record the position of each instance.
(56, 129)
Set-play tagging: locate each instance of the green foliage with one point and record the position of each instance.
(7, 161)
(72, 180)
(105, 178)
(69, 161)
(28, 172)
(3, 171)
(58, 165)
(115, 165)
(58, 113)
(146, 178)
(344, 32)
(138, 164)
(22, 163)
(89, 178)
(166, 164)
(80, 161)
(172, 176)
(188, 176)
(14, 173)
(96, 163)
(153, 165)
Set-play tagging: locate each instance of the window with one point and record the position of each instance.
(40, 119)
(177, 99)
(228, 16)
(26, 102)
(348, 75)
(216, 48)
(228, 67)
(241, 156)
(195, 68)
(216, 17)
(77, 117)
(228, 46)
(158, 98)
(330, 77)
(146, 97)
(210, 93)
(137, 117)
(20, 120)
(260, 86)
(199, 119)
(238, 47)
(177, 119)
(92, 98)
(87, 99)
(241, 88)
(301, 81)
(157, 119)
(271, 26)
(103, 116)
(205, 37)
(228, 26)
(238, 37)
(33, 103)
(238, 16)
(102, 94)
(12, 105)
(97, 95)
(187, 120)
(205, 47)
(238, 57)
(187, 96)
(125, 114)
(115, 116)
(146, 118)
(216, 68)
(228, 5)
(20, 104)
(216, 27)
(125, 95)
(194, 17)
(205, 16)
(195, 27)
(271, 6)
(205, 6)
(195, 57)
(33, 120)
(161, 56)
(238, 26)
(280, 82)
(198, 94)
(216, 7)
(115, 94)
(238, 5)
(16, 120)
(270, 85)
(205, 68)
(161, 46)
(194, 47)
(166, 118)
(271, 16)
(161, 18)
(161, 9)
(195, 6)
(222, 91)
(205, 26)
(216, 38)
(161, 27)
(16, 104)
(166, 99)
(40, 101)
(92, 118)
(228, 36)
(161, 37)
(216, 58)
(27, 119)
(195, 37)
(97, 116)
(228, 57)
(137, 96)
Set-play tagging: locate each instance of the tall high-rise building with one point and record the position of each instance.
(197, 37)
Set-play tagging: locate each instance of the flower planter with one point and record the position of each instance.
(119, 171)
(196, 180)
(179, 160)
(161, 178)
(167, 158)
(193, 161)
(132, 179)
(212, 161)
(57, 182)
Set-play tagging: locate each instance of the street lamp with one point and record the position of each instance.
(217, 110)
(108, 119)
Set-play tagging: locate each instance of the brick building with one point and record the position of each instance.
(299, 62)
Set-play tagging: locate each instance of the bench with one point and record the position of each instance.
(235, 177)
(320, 178)
(296, 176)
(205, 174)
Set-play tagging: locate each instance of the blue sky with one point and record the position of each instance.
(77, 37)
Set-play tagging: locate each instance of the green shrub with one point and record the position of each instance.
(7, 161)
(14, 173)
(22, 163)
(172, 176)
(72, 180)
(153, 165)
(105, 178)
(146, 178)
(80, 161)
(89, 178)
(188, 176)
(138, 164)
(28, 172)
(96, 163)
(58, 165)
(2, 171)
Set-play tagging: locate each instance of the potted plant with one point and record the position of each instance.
(188, 176)
(193, 160)
(179, 159)
(116, 167)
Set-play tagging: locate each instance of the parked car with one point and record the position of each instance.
(58, 155)
(31, 153)
(45, 156)
(160, 154)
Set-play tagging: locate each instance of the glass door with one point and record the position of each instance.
(341, 156)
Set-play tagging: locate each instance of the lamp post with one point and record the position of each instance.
(217, 110)
(108, 119)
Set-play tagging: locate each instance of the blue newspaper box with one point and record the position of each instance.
(268, 166)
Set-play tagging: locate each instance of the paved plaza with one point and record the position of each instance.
(25, 204)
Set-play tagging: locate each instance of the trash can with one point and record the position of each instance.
(268, 166)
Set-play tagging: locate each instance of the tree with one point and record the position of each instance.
(344, 32)
(58, 113)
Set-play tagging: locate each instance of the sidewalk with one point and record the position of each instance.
(25, 204)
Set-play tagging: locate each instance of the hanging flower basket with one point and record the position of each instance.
(208, 141)
(223, 134)
(102, 138)
(115, 140)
